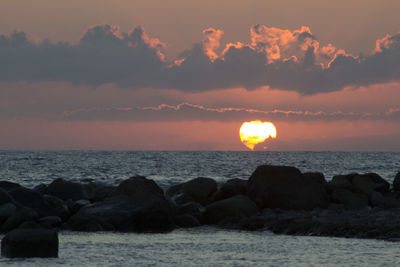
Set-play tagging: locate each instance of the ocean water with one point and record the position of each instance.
(204, 246)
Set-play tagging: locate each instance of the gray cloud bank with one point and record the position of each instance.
(281, 59)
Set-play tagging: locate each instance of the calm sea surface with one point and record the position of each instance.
(203, 246)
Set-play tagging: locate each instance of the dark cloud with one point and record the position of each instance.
(280, 59)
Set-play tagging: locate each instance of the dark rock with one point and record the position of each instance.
(6, 210)
(50, 221)
(20, 216)
(186, 221)
(57, 206)
(396, 182)
(191, 207)
(238, 206)
(231, 188)
(30, 225)
(350, 200)
(77, 205)
(181, 199)
(66, 190)
(7, 186)
(94, 226)
(138, 205)
(341, 181)
(44, 206)
(97, 191)
(41, 188)
(199, 189)
(318, 177)
(26, 243)
(251, 224)
(5, 197)
(286, 188)
(386, 201)
(369, 183)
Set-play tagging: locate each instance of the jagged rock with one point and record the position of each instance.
(5, 197)
(231, 188)
(43, 205)
(7, 185)
(21, 215)
(315, 176)
(27, 243)
(66, 190)
(350, 200)
(396, 182)
(340, 181)
(238, 206)
(286, 188)
(186, 221)
(138, 205)
(97, 191)
(199, 189)
(50, 221)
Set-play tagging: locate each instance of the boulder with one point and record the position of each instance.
(6, 210)
(44, 206)
(285, 188)
(27, 243)
(66, 190)
(340, 181)
(97, 191)
(21, 215)
(50, 221)
(137, 205)
(5, 197)
(348, 199)
(396, 182)
(231, 188)
(199, 189)
(315, 176)
(7, 185)
(186, 221)
(386, 201)
(238, 206)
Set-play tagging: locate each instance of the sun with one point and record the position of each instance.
(254, 132)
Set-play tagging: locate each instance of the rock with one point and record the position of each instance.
(137, 205)
(377, 199)
(41, 189)
(21, 215)
(7, 186)
(349, 199)
(50, 221)
(199, 189)
(5, 197)
(30, 225)
(44, 206)
(186, 221)
(231, 188)
(364, 185)
(238, 206)
(181, 199)
(97, 191)
(315, 176)
(77, 205)
(66, 190)
(340, 181)
(285, 188)
(191, 207)
(396, 182)
(6, 210)
(27, 243)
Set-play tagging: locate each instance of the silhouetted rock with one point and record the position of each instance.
(285, 188)
(21, 215)
(231, 188)
(66, 190)
(340, 181)
(6, 210)
(318, 177)
(199, 189)
(43, 205)
(396, 182)
(186, 221)
(97, 191)
(27, 243)
(238, 206)
(7, 186)
(50, 221)
(138, 205)
(348, 199)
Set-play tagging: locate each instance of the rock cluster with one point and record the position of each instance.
(276, 198)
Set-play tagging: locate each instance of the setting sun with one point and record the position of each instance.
(255, 132)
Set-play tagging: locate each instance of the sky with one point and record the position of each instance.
(184, 75)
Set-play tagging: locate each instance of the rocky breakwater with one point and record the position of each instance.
(276, 198)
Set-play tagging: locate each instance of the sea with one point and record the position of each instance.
(202, 246)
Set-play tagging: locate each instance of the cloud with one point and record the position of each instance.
(192, 112)
(291, 60)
